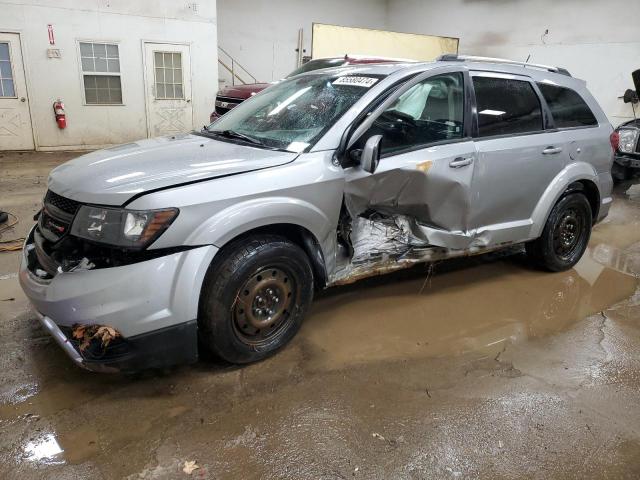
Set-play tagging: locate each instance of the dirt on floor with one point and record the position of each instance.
(479, 368)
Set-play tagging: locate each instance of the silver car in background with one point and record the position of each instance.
(145, 250)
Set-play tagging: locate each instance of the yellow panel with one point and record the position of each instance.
(337, 41)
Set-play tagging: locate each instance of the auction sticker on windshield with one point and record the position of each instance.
(366, 82)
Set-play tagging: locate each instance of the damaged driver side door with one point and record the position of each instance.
(423, 178)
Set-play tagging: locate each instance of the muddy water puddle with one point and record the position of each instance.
(476, 308)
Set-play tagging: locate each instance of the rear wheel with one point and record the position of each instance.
(254, 298)
(565, 235)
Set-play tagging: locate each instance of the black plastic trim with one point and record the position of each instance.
(165, 347)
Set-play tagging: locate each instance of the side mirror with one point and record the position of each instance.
(371, 154)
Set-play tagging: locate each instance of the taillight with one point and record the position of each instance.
(614, 138)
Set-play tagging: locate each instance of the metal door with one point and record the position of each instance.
(15, 119)
(513, 168)
(168, 88)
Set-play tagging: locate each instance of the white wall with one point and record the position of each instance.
(127, 23)
(595, 40)
(263, 34)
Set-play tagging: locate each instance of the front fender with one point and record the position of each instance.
(248, 215)
(571, 173)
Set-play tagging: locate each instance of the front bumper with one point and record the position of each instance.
(153, 304)
(168, 346)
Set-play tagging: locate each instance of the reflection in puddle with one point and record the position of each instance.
(45, 449)
(473, 308)
(14, 394)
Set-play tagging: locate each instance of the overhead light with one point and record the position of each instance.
(492, 112)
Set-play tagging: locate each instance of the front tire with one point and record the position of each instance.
(565, 235)
(254, 298)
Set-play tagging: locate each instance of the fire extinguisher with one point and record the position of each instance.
(61, 117)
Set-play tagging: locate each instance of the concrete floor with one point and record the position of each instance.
(487, 369)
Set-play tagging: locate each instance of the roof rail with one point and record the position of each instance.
(452, 57)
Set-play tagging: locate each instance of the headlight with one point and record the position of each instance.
(122, 228)
(628, 139)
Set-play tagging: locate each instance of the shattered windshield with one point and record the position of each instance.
(294, 114)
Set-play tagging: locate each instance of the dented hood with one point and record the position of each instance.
(114, 175)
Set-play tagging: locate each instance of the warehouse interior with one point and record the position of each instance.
(432, 209)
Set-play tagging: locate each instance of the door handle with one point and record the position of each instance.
(460, 162)
(551, 150)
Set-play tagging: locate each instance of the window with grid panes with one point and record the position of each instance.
(101, 73)
(168, 75)
(7, 88)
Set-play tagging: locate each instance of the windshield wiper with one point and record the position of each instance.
(240, 136)
(234, 134)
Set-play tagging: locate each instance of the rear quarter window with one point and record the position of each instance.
(567, 107)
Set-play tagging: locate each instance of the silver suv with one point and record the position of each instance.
(145, 250)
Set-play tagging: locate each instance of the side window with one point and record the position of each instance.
(431, 111)
(567, 107)
(506, 106)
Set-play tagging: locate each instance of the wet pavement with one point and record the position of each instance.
(475, 368)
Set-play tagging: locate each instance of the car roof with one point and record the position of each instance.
(364, 59)
(536, 72)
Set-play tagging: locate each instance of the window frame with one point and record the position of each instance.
(376, 108)
(547, 119)
(13, 72)
(82, 73)
(552, 120)
(155, 83)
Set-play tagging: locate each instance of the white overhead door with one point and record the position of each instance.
(168, 88)
(15, 120)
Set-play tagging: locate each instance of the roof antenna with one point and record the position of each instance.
(527, 60)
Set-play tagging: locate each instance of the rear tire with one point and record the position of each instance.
(254, 298)
(565, 236)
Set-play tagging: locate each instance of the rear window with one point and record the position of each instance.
(567, 107)
(506, 106)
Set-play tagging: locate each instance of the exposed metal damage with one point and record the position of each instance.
(380, 244)
(386, 224)
(48, 259)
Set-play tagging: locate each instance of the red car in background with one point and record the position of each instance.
(232, 96)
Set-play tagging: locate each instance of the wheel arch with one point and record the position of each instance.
(298, 235)
(575, 177)
(590, 190)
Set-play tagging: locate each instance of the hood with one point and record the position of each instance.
(114, 175)
(242, 91)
